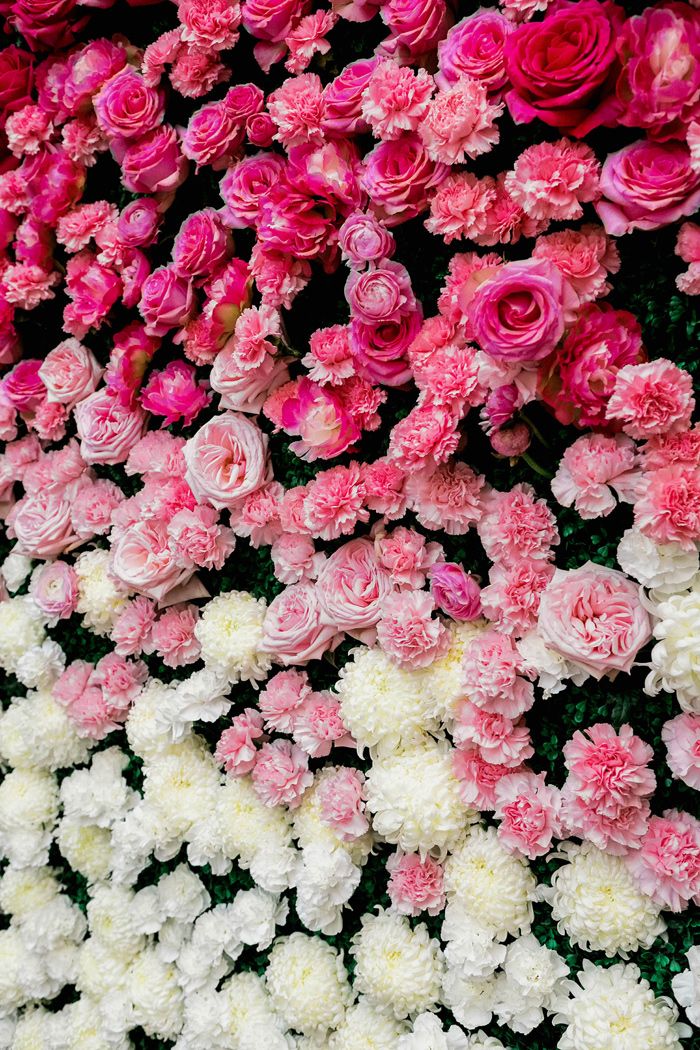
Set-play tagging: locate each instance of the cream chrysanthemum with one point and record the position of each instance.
(246, 1014)
(366, 1028)
(415, 801)
(86, 848)
(28, 811)
(100, 597)
(598, 905)
(444, 678)
(308, 984)
(396, 967)
(614, 1008)
(36, 732)
(675, 659)
(383, 706)
(181, 786)
(21, 628)
(156, 997)
(496, 886)
(230, 633)
(24, 890)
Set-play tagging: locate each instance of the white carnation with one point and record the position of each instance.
(35, 1030)
(21, 628)
(396, 967)
(35, 731)
(662, 567)
(230, 634)
(15, 569)
(249, 1020)
(99, 795)
(100, 597)
(598, 905)
(496, 886)
(40, 666)
(686, 986)
(28, 812)
(471, 999)
(428, 1034)
(182, 895)
(114, 919)
(675, 659)
(147, 735)
(274, 866)
(530, 983)
(470, 946)
(325, 881)
(86, 848)
(203, 697)
(156, 997)
(308, 984)
(364, 1027)
(23, 890)
(254, 916)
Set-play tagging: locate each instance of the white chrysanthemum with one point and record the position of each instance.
(28, 812)
(482, 1041)
(21, 627)
(686, 986)
(496, 886)
(100, 597)
(428, 1034)
(86, 848)
(99, 795)
(444, 678)
(35, 1030)
(598, 905)
(310, 829)
(675, 659)
(308, 984)
(114, 919)
(24, 890)
(40, 666)
(364, 1027)
(662, 567)
(383, 706)
(146, 735)
(613, 1007)
(181, 786)
(36, 732)
(469, 944)
(247, 1014)
(326, 880)
(471, 999)
(156, 996)
(531, 982)
(415, 800)
(396, 967)
(230, 634)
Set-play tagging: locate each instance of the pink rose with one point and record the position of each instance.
(318, 415)
(88, 68)
(107, 429)
(593, 617)
(456, 593)
(363, 239)
(381, 294)
(398, 178)
(46, 25)
(226, 460)
(154, 163)
(343, 99)
(272, 19)
(167, 300)
(415, 27)
(41, 523)
(352, 588)
(202, 244)
(126, 107)
(244, 185)
(518, 314)
(23, 386)
(142, 558)
(647, 185)
(212, 136)
(175, 394)
(54, 589)
(294, 631)
(138, 223)
(16, 80)
(69, 372)
(474, 48)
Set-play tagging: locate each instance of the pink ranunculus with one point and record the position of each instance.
(107, 429)
(294, 631)
(398, 178)
(529, 812)
(281, 774)
(407, 631)
(41, 523)
(594, 618)
(667, 864)
(23, 386)
(474, 48)
(352, 588)
(154, 163)
(363, 239)
(681, 735)
(381, 294)
(562, 68)
(167, 300)
(236, 750)
(647, 185)
(202, 244)
(518, 314)
(69, 372)
(652, 399)
(226, 460)
(126, 107)
(456, 592)
(138, 223)
(341, 804)
(142, 557)
(212, 136)
(415, 884)
(54, 589)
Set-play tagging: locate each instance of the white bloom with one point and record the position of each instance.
(218, 930)
(470, 999)
(200, 698)
(86, 848)
(199, 967)
(415, 801)
(35, 1030)
(307, 983)
(396, 967)
(249, 1020)
(114, 919)
(23, 890)
(102, 970)
(181, 787)
(675, 659)
(15, 569)
(182, 895)
(133, 841)
(311, 829)
(482, 1041)
(36, 732)
(147, 736)
(230, 634)
(664, 567)
(613, 1007)
(100, 597)
(23, 975)
(326, 880)
(366, 1028)
(254, 915)
(21, 627)
(40, 666)
(598, 905)
(493, 884)
(428, 1034)
(444, 678)
(553, 671)
(98, 795)
(156, 997)
(274, 866)
(28, 811)
(686, 986)
(470, 946)
(56, 921)
(530, 983)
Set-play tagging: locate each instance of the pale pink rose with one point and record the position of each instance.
(460, 122)
(406, 556)
(407, 631)
(282, 697)
(512, 599)
(172, 636)
(333, 503)
(667, 865)
(295, 558)
(132, 627)
(341, 804)
(448, 498)
(529, 812)
(415, 26)
(681, 735)
(592, 469)
(517, 525)
(352, 588)
(501, 740)
(652, 398)
(593, 617)
(246, 391)
(69, 372)
(415, 884)
(456, 592)
(478, 778)
(281, 774)
(363, 239)
(343, 99)
(495, 676)
(236, 750)
(226, 460)
(54, 589)
(41, 523)
(318, 725)
(647, 185)
(669, 509)
(293, 630)
(107, 429)
(142, 558)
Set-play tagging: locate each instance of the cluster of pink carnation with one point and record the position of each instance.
(97, 698)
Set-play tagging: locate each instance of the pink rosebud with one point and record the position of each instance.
(154, 163)
(138, 223)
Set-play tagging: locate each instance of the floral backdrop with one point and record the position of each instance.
(350, 494)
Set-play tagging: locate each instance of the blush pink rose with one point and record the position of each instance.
(167, 300)
(23, 386)
(593, 617)
(69, 372)
(107, 429)
(294, 631)
(42, 525)
(647, 185)
(343, 99)
(363, 239)
(455, 591)
(142, 557)
(226, 460)
(352, 588)
(54, 589)
(415, 26)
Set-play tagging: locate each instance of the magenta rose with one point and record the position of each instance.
(23, 386)
(398, 177)
(647, 185)
(87, 70)
(167, 300)
(293, 630)
(138, 223)
(351, 588)
(46, 25)
(244, 101)
(144, 559)
(126, 107)
(226, 460)
(380, 350)
(415, 27)
(69, 372)
(474, 48)
(212, 136)
(562, 69)
(593, 617)
(16, 80)
(272, 19)
(54, 588)
(342, 99)
(295, 223)
(202, 244)
(154, 163)
(518, 314)
(108, 430)
(260, 129)
(456, 593)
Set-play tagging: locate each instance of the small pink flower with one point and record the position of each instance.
(175, 394)
(584, 256)
(517, 525)
(340, 798)
(282, 697)
(236, 750)
(478, 778)
(502, 741)
(460, 207)
(318, 725)
(352, 589)
(415, 884)
(317, 414)
(667, 865)
(512, 599)
(496, 676)
(281, 774)
(395, 99)
(448, 498)
(132, 627)
(258, 515)
(364, 239)
(407, 631)
(199, 538)
(172, 636)
(119, 679)
(54, 589)
(406, 556)
(591, 469)
(456, 592)
(460, 122)
(652, 398)
(308, 38)
(384, 485)
(425, 438)
(551, 180)
(528, 810)
(294, 558)
(681, 735)
(297, 109)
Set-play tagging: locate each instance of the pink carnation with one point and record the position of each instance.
(460, 122)
(132, 627)
(448, 498)
(426, 437)
(283, 695)
(308, 38)
(297, 109)
(395, 99)
(495, 676)
(512, 599)
(517, 525)
(318, 725)
(529, 812)
(236, 749)
(294, 558)
(478, 778)
(669, 509)
(407, 631)
(501, 740)
(652, 398)
(334, 502)
(119, 679)
(681, 735)
(172, 636)
(584, 256)
(384, 484)
(93, 506)
(329, 359)
(342, 807)
(415, 884)
(460, 207)
(281, 774)
(592, 469)
(667, 865)
(551, 180)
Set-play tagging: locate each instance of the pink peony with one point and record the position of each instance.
(294, 631)
(667, 865)
(651, 399)
(647, 185)
(281, 774)
(282, 697)
(681, 735)
(226, 460)
(407, 631)
(236, 749)
(352, 589)
(495, 676)
(592, 469)
(529, 812)
(341, 804)
(456, 593)
(593, 617)
(415, 884)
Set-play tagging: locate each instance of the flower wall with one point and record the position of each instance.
(350, 499)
